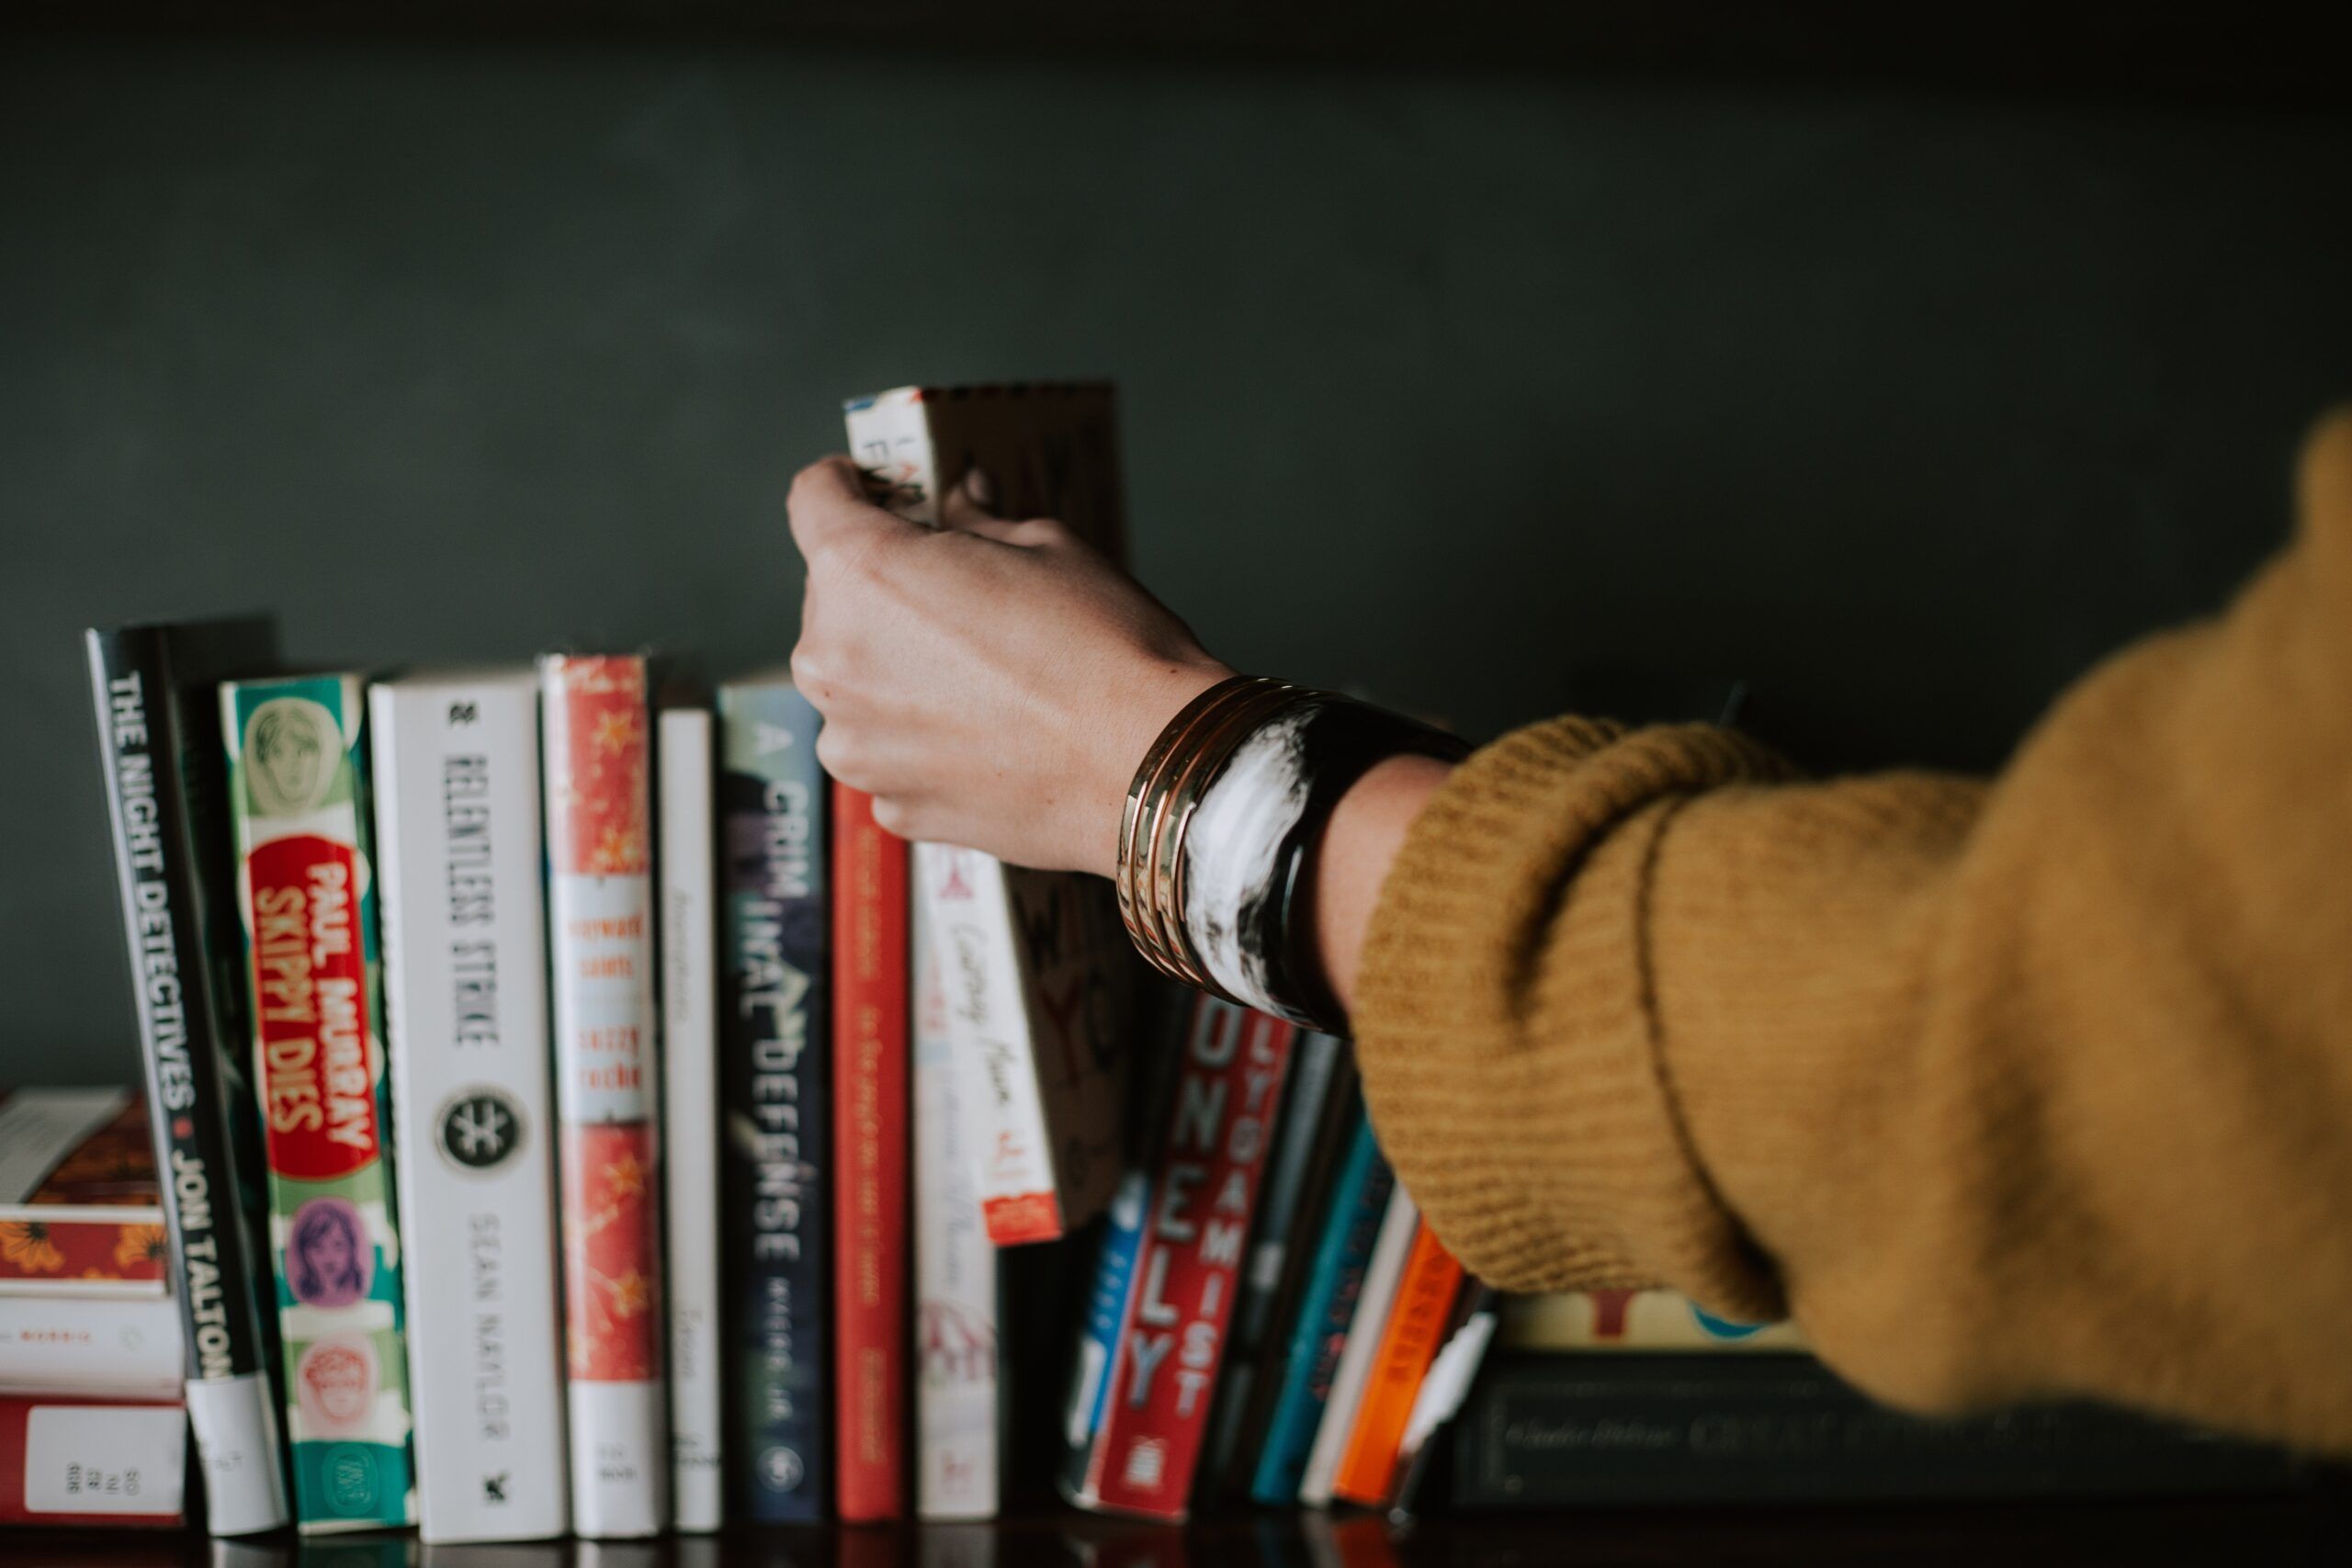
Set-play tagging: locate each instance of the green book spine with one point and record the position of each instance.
(298, 800)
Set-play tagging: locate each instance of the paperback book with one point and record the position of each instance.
(598, 766)
(298, 802)
(457, 777)
(152, 688)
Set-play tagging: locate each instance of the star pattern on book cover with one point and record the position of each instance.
(611, 1266)
(601, 810)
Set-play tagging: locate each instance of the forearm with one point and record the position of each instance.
(1358, 846)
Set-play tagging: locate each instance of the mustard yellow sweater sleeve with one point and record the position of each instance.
(2033, 1086)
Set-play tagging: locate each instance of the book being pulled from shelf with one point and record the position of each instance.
(1039, 976)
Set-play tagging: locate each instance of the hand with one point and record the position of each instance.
(990, 683)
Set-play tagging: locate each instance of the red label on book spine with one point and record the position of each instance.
(870, 1152)
(1228, 1086)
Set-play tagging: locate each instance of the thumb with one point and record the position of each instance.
(827, 509)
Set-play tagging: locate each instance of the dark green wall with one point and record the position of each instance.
(1454, 389)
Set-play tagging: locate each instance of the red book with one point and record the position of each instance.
(870, 1115)
(85, 1461)
(598, 760)
(81, 1211)
(1188, 1266)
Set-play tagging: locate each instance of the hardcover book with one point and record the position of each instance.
(870, 1050)
(457, 787)
(956, 1338)
(1142, 1458)
(297, 801)
(776, 1085)
(81, 1212)
(1555, 1431)
(685, 758)
(152, 688)
(68, 1461)
(1040, 976)
(598, 767)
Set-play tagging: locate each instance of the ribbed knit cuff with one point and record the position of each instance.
(1504, 1025)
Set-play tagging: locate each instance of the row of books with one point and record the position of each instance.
(571, 1112)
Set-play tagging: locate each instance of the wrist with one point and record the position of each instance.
(1153, 697)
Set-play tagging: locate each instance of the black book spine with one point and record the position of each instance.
(216, 1272)
(1320, 1061)
(1625, 1427)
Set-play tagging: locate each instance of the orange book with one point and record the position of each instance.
(1416, 1330)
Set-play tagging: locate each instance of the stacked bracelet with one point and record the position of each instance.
(1221, 824)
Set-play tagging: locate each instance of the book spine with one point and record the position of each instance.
(1315, 1070)
(465, 962)
(971, 912)
(1554, 1431)
(778, 1083)
(1416, 1326)
(956, 1338)
(216, 1276)
(1448, 1383)
(1325, 1309)
(690, 1189)
(600, 914)
(97, 1202)
(81, 1461)
(121, 1347)
(1229, 1083)
(1078, 994)
(1382, 1273)
(1107, 1297)
(1634, 1320)
(870, 1160)
(297, 799)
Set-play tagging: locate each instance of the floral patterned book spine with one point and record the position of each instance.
(81, 1211)
(298, 800)
(600, 919)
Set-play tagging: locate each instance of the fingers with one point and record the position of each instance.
(829, 510)
(965, 509)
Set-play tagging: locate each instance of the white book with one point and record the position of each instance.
(114, 1347)
(1036, 964)
(685, 749)
(1384, 1272)
(465, 980)
(956, 1332)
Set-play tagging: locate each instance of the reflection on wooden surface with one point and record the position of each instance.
(2314, 1528)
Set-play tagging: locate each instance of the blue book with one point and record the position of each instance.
(1359, 1198)
(776, 1091)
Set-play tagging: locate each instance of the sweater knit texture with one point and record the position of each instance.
(2028, 1087)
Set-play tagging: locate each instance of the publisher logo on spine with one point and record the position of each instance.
(781, 1470)
(479, 1130)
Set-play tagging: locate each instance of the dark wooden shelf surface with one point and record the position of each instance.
(2313, 1527)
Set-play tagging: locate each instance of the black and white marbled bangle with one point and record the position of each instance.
(1246, 859)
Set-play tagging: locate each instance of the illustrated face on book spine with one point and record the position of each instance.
(290, 747)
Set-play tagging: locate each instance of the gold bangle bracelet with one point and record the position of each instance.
(1136, 819)
(1187, 773)
(1215, 752)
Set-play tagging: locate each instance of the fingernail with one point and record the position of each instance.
(977, 487)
